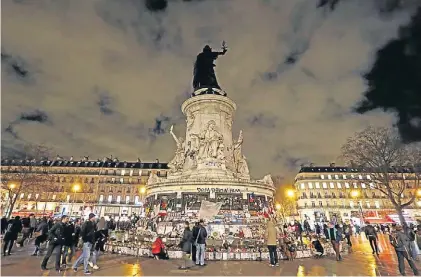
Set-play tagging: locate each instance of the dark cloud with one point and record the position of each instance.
(161, 126)
(34, 116)
(14, 66)
(394, 81)
(10, 130)
(262, 120)
(105, 101)
(331, 4)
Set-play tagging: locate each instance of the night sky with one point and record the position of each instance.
(101, 77)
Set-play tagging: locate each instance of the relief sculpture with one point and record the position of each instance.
(190, 121)
(240, 162)
(210, 142)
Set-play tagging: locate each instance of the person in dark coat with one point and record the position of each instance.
(3, 225)
(99, 246)
(56, 238)
(68, 233)
(186, 245)
(199, 239)
(193, 248)
(41, 233)
(14, 227)
(26, 231)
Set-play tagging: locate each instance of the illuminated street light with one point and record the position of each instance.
(12, 186)
(419, 192)
(355, 193)
(76, 187)
(278, 206)
(419, 203)
(142, 190)
(290, 193)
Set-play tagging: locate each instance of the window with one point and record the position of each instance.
(136, 200)
(303, 186)
(310, 185)
(321, 203)
(68, 198)
(332, 185)
(363, 185)
(325, 185)
(313, 204)
(29, 196)
(110, 198)
(352, 176)
(360, 177)
(368, 177)
(371, 185)
(131, 172)
(322, 176)
(355, 185)
(317, 185)
(351, 204)
(344, 177)
(101, 198)
(123, 172)
(54, 197)
(305, 205)
(127, 199)
(368, 204)
(121, 180)
(22, 195)
(334, 203)
(377, 204)
(336, 177)
(118, 198)
(339, 185)
(329, 176)
(36, 196)
(347, 185)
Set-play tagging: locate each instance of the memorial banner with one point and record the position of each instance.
(209, 209)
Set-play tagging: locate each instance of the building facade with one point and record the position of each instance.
(107, 188)
(327, 192)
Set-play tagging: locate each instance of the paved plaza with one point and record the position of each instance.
(359, 263)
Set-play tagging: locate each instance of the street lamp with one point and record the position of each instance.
(75, 188)
(290, 193)
(12, 186)
(278, 206)
(356, 194)
(418, 193)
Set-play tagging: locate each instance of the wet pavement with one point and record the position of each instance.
(359, 263)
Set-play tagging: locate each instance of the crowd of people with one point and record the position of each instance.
(64, 236)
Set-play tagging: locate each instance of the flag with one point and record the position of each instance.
(209, 209)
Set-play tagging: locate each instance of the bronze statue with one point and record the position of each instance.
(204, 73)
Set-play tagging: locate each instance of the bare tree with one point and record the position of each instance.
(394, 167)
(24, 178)
(285, 199)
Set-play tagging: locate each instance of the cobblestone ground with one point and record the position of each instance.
(359, 263)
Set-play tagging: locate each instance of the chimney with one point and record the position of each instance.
(332, 164)
(311, 164)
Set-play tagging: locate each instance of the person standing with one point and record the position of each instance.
(193, 248)
(371, 235)
(56, 238)
(348, 234)
(40, 235)
(335, 237)
(402, 244)
(26, 223)
(186, 245)
(14, 227)
(100, 240)
(200, 241)
(271, 242)
(69, 231)
(32, 224)
(88, 237)
(3, 225)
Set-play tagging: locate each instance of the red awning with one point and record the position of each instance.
(379, 220)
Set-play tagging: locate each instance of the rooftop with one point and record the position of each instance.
(86, 163)
(343, 169)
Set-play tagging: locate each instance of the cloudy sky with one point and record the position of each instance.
(104, 77)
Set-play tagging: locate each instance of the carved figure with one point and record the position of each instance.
(209, 141)
(153, 179)
(204, 73)
(240, 162)
(176, 164)
(268, 180)
(190, 154)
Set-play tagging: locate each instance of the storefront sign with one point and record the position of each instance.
(218, 190)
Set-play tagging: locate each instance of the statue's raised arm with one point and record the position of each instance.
(173, 135)
(204, 73)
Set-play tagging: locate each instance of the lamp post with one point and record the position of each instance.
(356, 195)
(75, 188)
(11, 187)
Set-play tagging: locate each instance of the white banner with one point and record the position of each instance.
(209, 209)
